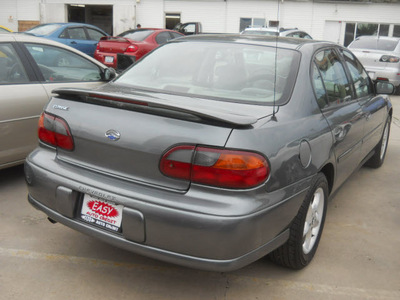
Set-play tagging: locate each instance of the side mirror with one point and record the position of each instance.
(109, 74)
(384, 87)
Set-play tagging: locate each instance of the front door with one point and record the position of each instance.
(341, 109)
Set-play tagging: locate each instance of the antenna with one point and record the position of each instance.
(276, 61)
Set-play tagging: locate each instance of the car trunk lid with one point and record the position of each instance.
(372, 58)
(125, 135)
(113, 44)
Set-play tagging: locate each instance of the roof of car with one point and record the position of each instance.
(283, 42)
(69, 23)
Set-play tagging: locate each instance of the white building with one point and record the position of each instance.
(338, 21)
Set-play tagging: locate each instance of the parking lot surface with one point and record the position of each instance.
(358, 256)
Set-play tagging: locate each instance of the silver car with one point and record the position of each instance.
(30, 68)
(213, 150)
(274, 31)
(380, 56)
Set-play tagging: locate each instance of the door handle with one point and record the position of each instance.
(73, 43)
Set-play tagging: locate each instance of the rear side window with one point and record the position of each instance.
(332, 72)
(223, 71)
(77, 33)
(60, 65)
(11, 68)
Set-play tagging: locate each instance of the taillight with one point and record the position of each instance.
(131, 48)
(97, 47)
(55, 132)
(390, 59)
(215, 167)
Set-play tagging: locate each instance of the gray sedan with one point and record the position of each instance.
(213, 151)
(30, 68)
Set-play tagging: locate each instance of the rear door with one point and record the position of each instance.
(340, 107)
(76, 38)
(22, 101)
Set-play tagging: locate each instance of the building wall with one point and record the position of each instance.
(323, 20)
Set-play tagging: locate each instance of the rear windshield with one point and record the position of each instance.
(218, 70)
(138, 36)
(44, 29)
(374, 44)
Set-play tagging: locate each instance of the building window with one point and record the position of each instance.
(354, 30)
(172, 19)
(251, 22)
(396, 30)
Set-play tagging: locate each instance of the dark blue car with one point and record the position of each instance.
(83, 37)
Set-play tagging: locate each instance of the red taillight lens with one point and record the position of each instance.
(55, 132)
(131, 48)
(215, 167)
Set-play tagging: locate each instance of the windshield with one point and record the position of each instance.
(44, 29)
(374, 44)
(138, 36)
(218, 70)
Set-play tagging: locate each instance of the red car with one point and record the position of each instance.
(121, 51)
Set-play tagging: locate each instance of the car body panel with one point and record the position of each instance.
(182, 221)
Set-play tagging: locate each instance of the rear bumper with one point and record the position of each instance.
(118, 61)
(391, 74)
(199, 239)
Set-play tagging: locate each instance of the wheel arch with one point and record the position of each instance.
(329, 172)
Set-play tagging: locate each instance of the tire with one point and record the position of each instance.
(306, 228)
(378, 158)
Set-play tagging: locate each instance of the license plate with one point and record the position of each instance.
(101, 213)
(109, 59)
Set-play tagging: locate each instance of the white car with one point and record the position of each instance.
(30, 68)
(274, 31)
(380, 57)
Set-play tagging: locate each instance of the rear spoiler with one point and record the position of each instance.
(147, 103)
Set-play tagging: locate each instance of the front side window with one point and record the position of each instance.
(362, 83)
(331, 70)
(224, 71)
(60, 65)
(11, 68)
